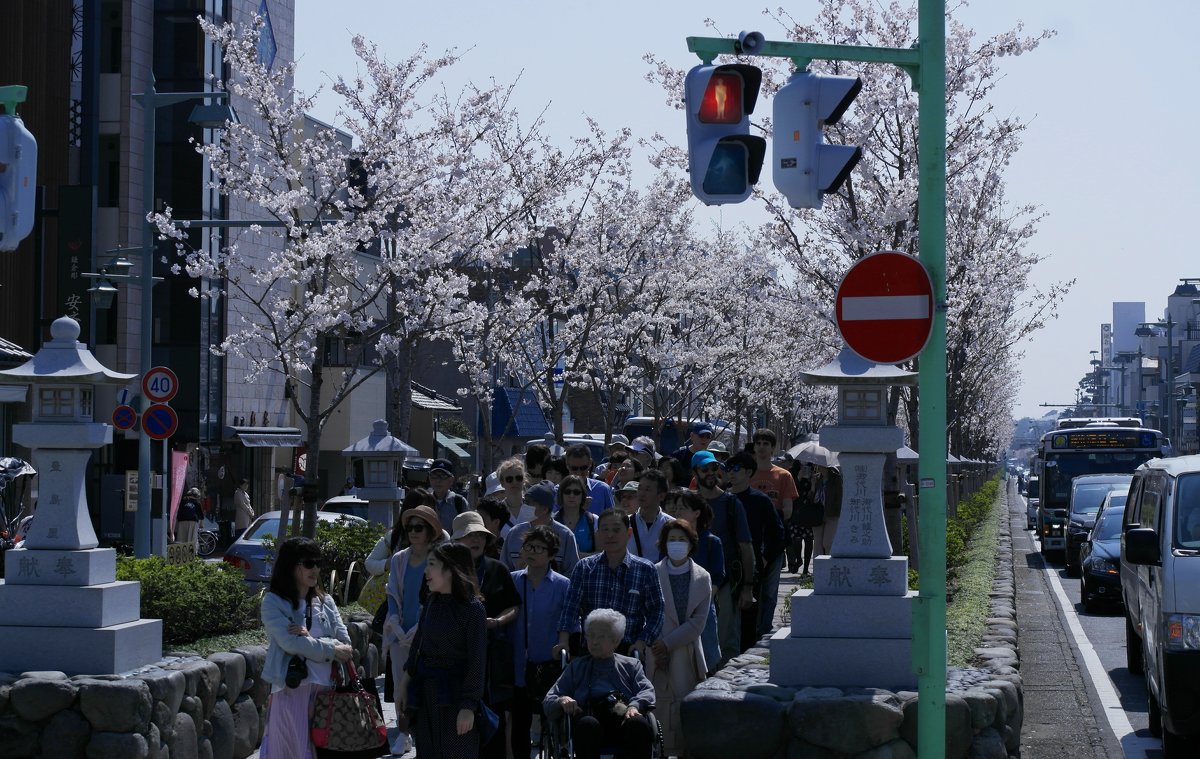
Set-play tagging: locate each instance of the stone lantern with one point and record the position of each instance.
(64, 609)
(854, 628)
(382, 457)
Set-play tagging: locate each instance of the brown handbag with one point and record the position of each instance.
(346, 717)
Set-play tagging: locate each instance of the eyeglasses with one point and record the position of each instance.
(572, 491)
(710, 469)
(416, 527)
(734, 468)
(536, 548)
(511, 478)
(310, 563)
(577, 468)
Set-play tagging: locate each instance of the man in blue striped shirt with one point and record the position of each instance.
(614, 579)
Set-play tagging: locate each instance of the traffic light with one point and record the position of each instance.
(724, 158)
(18, 181)
(805, 168)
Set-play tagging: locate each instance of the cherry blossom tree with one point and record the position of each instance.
(380, 257)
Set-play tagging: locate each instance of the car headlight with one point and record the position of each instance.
(1104, 566)
(1181, 632)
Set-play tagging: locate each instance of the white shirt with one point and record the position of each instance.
(647, 535)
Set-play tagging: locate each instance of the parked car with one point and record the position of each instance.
(1100, 555)
(1032, 499)
(1160, 585)
(250, 555)
(1087, 492)
(347, 504)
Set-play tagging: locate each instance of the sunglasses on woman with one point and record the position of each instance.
(510, 479)
(417, 527)
(310, 563)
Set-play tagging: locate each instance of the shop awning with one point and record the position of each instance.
(266, 437)
(13, 393)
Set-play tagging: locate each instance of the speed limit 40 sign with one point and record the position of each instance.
(160, 384)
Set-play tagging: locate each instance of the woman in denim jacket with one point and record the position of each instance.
(300, 620)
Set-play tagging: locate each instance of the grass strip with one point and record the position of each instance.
(970, 605)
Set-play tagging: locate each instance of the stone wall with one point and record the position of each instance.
(183, 707)
(738, 713)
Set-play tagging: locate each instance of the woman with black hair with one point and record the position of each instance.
(301, 621)
(446, 664)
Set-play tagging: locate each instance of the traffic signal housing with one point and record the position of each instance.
(18, 181)
(725, 160)
(804, 167)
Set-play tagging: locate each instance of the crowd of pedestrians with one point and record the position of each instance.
(647, 572)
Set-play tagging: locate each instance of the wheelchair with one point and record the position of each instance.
(556, 734)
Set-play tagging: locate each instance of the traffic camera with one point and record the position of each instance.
(725, 160)
(805, 168)
(18, 181)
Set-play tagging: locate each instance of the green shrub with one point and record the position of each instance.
(342, 543)
(194, 600)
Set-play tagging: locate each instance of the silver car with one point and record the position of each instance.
(250, 555)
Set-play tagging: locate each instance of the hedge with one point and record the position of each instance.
(196, 599)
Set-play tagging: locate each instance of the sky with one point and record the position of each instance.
(1108, 156)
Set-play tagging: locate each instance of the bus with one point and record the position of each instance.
(1103, 447)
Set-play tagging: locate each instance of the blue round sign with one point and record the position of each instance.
(124, 417)
(160, 421)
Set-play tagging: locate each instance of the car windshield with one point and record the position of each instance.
(1087, 498)
(1187, 511)
(262, 528)
(1109, 525)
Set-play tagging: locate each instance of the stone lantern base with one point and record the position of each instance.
(66, 611)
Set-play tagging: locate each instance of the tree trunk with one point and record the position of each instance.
(399, 392)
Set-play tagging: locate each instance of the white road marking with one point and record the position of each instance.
(1132, 743)
(885, 307)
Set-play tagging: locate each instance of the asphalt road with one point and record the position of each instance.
(1080, 700)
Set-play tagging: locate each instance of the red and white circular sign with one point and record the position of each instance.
(885, 307)
(160, 384)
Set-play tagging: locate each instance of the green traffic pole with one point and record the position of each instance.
(929, 628)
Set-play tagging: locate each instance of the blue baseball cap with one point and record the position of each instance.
(702, 428)
(703, 458)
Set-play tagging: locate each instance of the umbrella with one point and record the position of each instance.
(814, 453)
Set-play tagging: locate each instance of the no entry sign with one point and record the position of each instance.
(160, 422)
(885, 307)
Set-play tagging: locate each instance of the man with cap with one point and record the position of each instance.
(541, 497)
(643, 450)
(718, 449)
(626, 498)
(618, 447)
(449, 503)
(646, 524)
(729, 524)
(701, 434)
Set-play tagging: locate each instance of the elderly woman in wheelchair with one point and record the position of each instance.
(605, 697)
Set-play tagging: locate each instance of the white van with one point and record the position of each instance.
(1160, 584)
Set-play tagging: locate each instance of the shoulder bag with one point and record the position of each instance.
(345, 717)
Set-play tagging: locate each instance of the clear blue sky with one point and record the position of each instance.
(1108, 156)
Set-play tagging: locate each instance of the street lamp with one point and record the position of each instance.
(210, 116)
